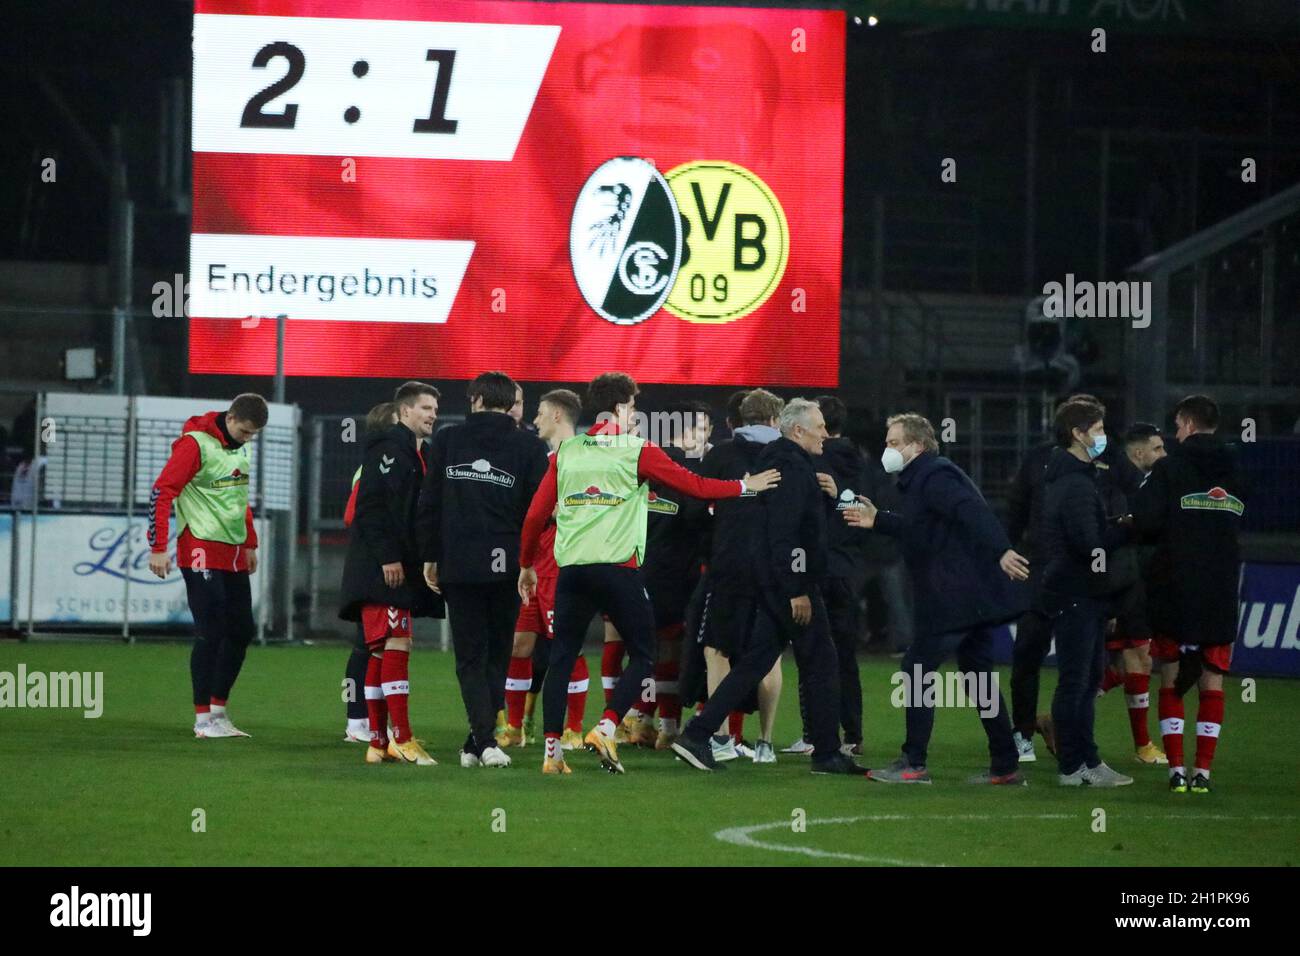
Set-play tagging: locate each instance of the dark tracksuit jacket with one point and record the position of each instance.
(951, 543)
(383, 530)
(1190, 508)
(482, 475)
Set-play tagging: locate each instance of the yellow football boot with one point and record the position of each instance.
(411, 752)
(606, 748)
(555, 766)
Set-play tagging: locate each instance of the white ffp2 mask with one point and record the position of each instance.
(892, 461)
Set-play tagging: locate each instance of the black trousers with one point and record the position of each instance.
(814, 653)
(843, 609)
(582, 591)
(1080, 659)
(222, 605)
(358, 661)
(482, 618)
(1033, 641)
(974, 649)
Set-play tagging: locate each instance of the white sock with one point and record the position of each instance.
(1203, 773)
(553, 751)
(668, 725)
(218, 710)
(202, 718)
(606, 727)
(1174, 770)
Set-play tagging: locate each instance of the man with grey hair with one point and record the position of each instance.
(789, 560)
(964, 576)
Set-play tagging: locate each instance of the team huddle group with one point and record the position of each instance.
(705, 561)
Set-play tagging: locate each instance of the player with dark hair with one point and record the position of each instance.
(207, 477)
(482, 475)
(734, 401)
(1128, 642)
(597, 488)
(556, 421)
(380, 418)
(1190, 508)
(381, 573)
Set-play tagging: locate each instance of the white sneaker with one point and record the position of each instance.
(201, 727)
(744, 750)
(724, 752)
(763, 752)
(1024, 748)
(358, 731)
(468, 759)
(494, 757)
(1072, 779)
(800, 746)
(220, 727)
(1103, 776)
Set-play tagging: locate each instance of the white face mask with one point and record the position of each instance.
(892, 461)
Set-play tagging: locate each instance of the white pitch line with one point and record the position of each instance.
(741, 836)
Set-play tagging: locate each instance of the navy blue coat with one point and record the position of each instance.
(951, 543)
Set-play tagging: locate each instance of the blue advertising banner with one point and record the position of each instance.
(1267, 625)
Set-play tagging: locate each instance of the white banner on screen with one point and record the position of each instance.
(339, 87)
(81, 566)
(318, 277)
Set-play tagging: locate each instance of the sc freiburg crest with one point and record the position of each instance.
(625, 240)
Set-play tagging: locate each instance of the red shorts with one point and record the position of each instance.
(538, 615)
(1216, 657)
(379, 622)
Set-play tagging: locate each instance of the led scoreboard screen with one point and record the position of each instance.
(431, 189)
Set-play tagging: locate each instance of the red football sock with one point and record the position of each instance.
(1137, 695)
(519, 681)
(736, 724)
(611, 667)
(397, 689)
(611, 717)
(1171, 727)
(1209, 720)
(376, 706)
(579, 681)
(1110, 679)
(202, 709)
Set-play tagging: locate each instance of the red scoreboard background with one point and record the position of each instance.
(430, 189)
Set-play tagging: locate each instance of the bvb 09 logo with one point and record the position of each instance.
(735, 242)
(710, 242)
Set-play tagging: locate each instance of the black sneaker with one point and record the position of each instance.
(838, 763)
(1177, 783)
(1200, 783)
(698, 755)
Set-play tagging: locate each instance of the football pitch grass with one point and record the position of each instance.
(126, 788)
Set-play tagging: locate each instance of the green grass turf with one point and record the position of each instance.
(121, 789)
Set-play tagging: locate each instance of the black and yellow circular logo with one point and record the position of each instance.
(735, 242)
